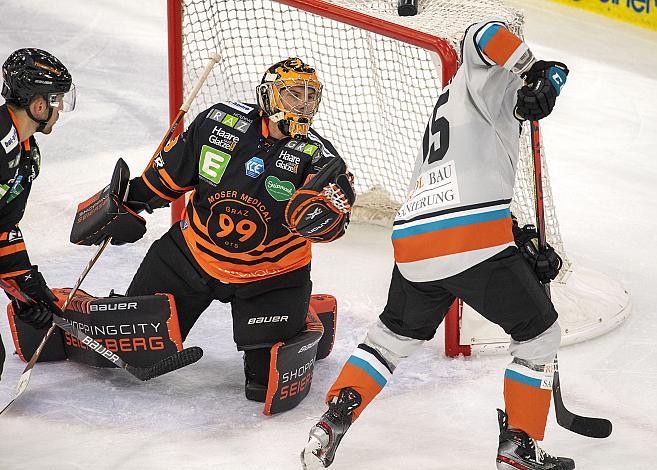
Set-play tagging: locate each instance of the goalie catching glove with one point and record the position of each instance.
(105, 214)
(319, 210)
(546, 263)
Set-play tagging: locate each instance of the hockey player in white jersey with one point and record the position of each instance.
(454, 237)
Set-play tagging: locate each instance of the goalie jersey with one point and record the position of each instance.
(457, 213)
(241, 182)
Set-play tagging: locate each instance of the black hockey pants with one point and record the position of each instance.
(503, 289)
(169, 267)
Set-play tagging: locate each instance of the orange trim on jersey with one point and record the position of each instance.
(502, 46)
(11, 249)
(169, 181)
(265, 127)
(243, 256)
(240, 273)
(14, 120)
(14, 273)
(152, 188)
(262, 250)
(527, 407)
(197, 222)
(452, 240)
(279, 240)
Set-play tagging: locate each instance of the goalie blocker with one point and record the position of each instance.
(141, 330)
(105, 215)
(293, 361)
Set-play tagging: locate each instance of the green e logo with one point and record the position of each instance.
(212, 164)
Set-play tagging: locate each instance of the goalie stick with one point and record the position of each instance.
(586, 426)
(168, 364)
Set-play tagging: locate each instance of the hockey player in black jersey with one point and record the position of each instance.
(36, 88)
(264, 186)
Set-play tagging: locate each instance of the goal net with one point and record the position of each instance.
(382, 74)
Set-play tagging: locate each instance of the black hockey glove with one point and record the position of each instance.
(544, 81)
(319, 210)
(545, 263)
(39, 314)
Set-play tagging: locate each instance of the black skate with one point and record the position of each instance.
(326, 435)
(518, 451)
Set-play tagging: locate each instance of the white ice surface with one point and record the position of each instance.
(437, 413)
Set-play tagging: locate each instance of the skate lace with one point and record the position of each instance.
(540, 454)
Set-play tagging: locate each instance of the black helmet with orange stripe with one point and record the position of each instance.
(30, 72)
(289, 94)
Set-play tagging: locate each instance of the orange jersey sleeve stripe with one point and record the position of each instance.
(501, 44)
(13, 273)
(171, 184)
(11, 249)
(453, 240)
(155, 190)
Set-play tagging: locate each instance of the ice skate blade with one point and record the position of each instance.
(309, 460)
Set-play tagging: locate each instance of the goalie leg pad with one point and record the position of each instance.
(291, 368)
(27, 339)
(142, 330)
(326, 308)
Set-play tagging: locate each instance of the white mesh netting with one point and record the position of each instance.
(378, 91)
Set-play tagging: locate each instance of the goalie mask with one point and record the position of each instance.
(289, 95)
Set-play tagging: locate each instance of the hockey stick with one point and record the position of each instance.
(586, 426)
(213, 59)
(168, 364)
(25, 376)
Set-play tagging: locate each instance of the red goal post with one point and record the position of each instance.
(382, 75)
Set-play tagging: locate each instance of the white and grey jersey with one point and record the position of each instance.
(457, 213)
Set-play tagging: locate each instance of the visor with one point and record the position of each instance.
(65, 102)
